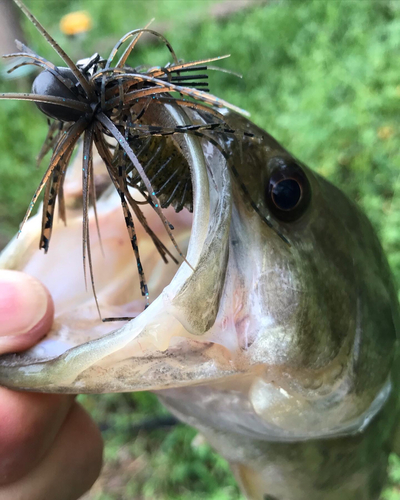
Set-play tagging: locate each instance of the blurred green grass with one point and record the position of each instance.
(322, 77)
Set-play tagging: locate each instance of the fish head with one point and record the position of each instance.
(318, 314)
(281, 322)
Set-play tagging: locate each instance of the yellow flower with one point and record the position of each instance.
(76, 22)
(385, 132)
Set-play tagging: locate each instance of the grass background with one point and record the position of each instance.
(322, 77)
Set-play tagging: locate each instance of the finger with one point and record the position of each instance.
(29, 423)
(26, 311)
(69, 469)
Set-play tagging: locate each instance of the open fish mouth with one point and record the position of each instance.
(171, 342)
(233, 338)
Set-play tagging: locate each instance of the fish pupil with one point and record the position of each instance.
(286, 194)
(288, 191)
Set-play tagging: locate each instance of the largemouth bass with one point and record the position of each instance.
(278, 341)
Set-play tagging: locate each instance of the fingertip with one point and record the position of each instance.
(39, 330)
(26, 311)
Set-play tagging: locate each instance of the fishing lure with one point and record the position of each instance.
(96, 98)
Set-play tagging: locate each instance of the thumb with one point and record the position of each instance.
(26, 311)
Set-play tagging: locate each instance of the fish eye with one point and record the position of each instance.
(288, 189)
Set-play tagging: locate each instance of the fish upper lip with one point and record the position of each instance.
(95, 366)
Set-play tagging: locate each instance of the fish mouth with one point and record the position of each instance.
(206, 332)
(169, 343)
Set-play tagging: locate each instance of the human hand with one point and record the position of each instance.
(50, 449)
